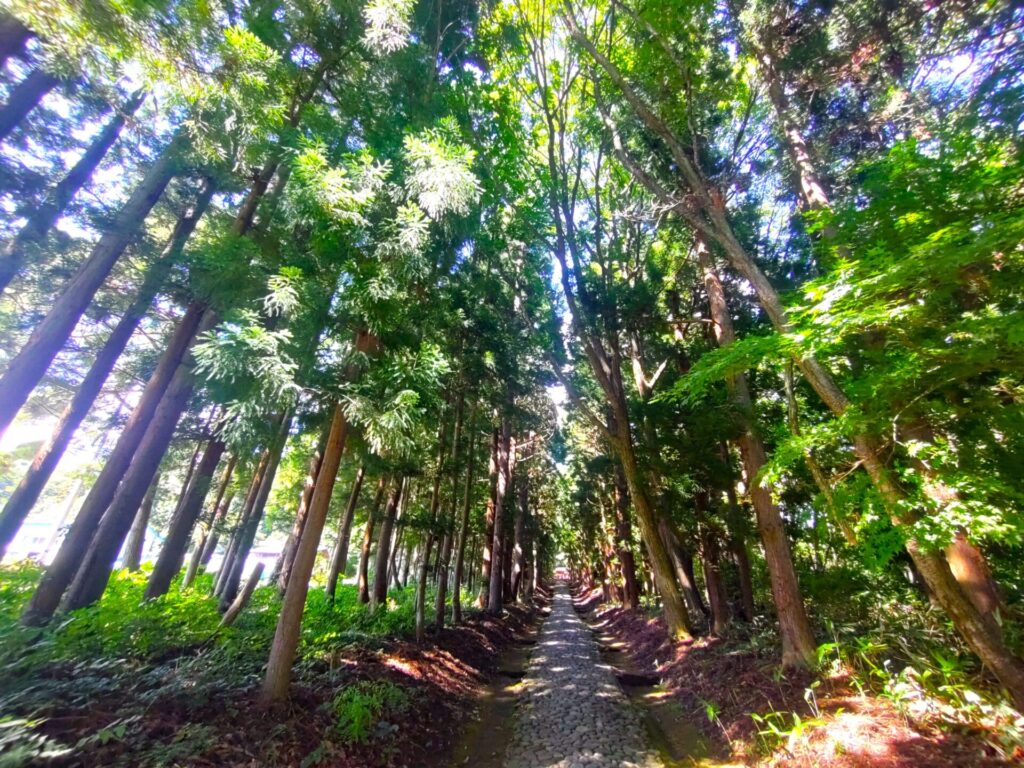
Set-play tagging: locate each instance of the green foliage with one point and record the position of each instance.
(359, 708)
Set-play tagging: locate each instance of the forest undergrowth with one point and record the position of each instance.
(157, 683)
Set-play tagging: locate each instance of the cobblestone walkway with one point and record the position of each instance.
(572, 712)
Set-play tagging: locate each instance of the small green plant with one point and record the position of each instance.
(787, 729)
(359, 708)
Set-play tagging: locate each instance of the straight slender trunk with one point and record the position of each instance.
(172, 555)
(798, 646)
(28, 366)
(396, 552)
(227, 564)
(137, 535)
(444, 559)
(284, 566)
(379, 595)
(94, 573)
(25, 97)
(435, 503)
(218, 510)
(339, 558)
(682, 563)
(410, 555)
(14, 252)
(247, 535)
(25, 496)
(494, 595)
(289, 624)
(467, 501)
(485, 561)
(69, 557)
(363, 577)
(710, 554)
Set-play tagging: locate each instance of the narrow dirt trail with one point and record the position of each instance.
(571, 712)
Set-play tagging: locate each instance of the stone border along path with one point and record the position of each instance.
(571, 712)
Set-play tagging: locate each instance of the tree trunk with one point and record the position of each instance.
(519, 535)
(26, 369)
(13, 36)
(467, 501)
(435, 503)
(287, 559)
(494, 601)
(219, 511)
(339, 558)
(243, 597)
(69, 557)
(363, 577)
(247, 535)
(623, 542)
(25, 496)
(94, 573)
(738, 547)
(798, 646)
(485, 562)
(289, 623)
(682, 563)
(137, 535)
(172, 555)
(42, 218)
(244, 514)
(379, 595)
(24, 97)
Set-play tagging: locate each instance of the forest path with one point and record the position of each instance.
(571, 712)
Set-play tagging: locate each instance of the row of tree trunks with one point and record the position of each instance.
(432, 514)
(208, 530)
(486, 553)
(135, 544)
(445, 554)
(339, 557)
(283, 568)
(467, 502)
(14, 253)
(502, 483)
(244, 514)
(379, 593)
(363, 570)
(26, 369)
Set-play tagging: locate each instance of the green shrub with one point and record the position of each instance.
(359, 708)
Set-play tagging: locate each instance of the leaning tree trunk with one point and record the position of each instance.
(13, 253)
(289, 623)
(798, 646)
(218, 510)
(339, 557)
(379, 594)
(247, 535)
(137, 535)
(20, 503)
(244, 514)
(13, 37)
(172, 555)
(25, 97)
(69, 557)
(27, 367)
(94, 573)
(624, 542)
(284, 569)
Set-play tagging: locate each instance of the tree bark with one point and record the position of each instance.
(287, 559)
(25, 97)
(494, 601)
(172, 555)
(339, 558)
(379, 594)
(798, 646)
(467, 501)
(26, 369)
(137, 535)
(25, 496)
(519, 536)
(218, 511)
(13, 37)
(13, 253)
(247, 535)
(623, 542)
(363, 577)
(289, 623)
(485, 562)
(69, 557)
(243, 597)
(94, 573)
(244, 514)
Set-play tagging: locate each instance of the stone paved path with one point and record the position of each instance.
(572, 712)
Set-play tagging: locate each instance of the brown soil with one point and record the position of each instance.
(857, 731)
(444, 678)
